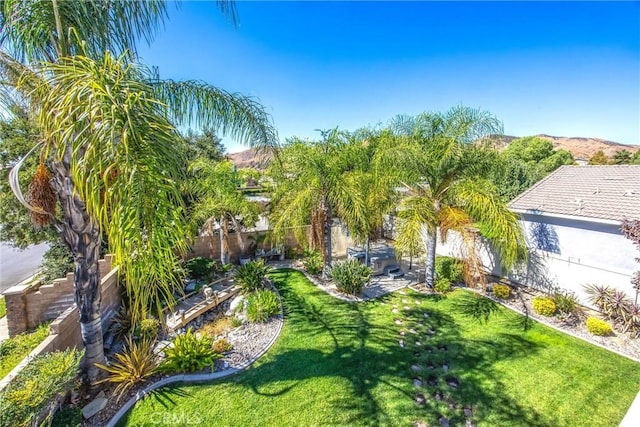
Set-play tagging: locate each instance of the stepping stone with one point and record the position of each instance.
(432, 380)
(398, 322)
(444, 422)
(420, 399)
(413, 331)
(417, 382)
(95, 406)
(395, 310)
(415, 368)
(453, 382)
(401, 343)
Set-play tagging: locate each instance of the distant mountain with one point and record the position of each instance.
(250, 158)
(580, 148)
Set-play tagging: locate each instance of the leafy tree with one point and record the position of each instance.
(599, 158)
(312, 186)
(205, 144)
(538, 152)
(108, 154)
(249, 177)
(635, 160)
(219, 201)
(621, 157)
(448, 190)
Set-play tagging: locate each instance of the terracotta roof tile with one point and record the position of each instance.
(602, 192)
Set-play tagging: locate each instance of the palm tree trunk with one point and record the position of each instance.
(241, 243)
(82, 235)
(430, 263)
(367, 246)
(328, 220)
(224, 240)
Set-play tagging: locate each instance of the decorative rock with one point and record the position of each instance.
(468, 423)
(431, 331)
(425, 314)
(404, 301)
(437, 395)
(401, 292)
(431, 366)
(442, 347)
(413, 331)
(453, 382)
(236, 302)
(401, 342)
(395, 310)
(402, 333)
(453, 406)
(416, 302)
(445, 367)
(416, 354)
(468, 412)
(207, 291)
(420, 399)
(417, 382)
(415, 368)
(95, 406)
(398, 322)
(432, 380)
(418, 343)
(444, 422)
(406, 307)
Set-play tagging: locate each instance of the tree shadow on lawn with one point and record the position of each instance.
(359, 342)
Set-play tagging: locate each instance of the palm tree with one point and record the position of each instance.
(219, 200)
(447, 188)
(312, 186)
(109, 141)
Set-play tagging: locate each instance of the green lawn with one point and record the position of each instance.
(13, 350)
(337, 363)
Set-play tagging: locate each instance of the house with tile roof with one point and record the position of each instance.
(572, 220)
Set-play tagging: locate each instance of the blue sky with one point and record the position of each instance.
(560, 68)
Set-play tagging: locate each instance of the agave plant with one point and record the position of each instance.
(599, 295)
(631, 321)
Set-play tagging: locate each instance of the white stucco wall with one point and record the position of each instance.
(568, 253)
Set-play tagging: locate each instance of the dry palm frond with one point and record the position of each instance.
(41, 195)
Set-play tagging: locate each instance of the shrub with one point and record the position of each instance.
(251, 276)
(236, 321)
(221, 326)
(598, 327)
(222, 346)
(262, 305)
(36, 386)
(566, 302)
(443, 285)
(350, 276)
(292, 253)
(189, 353)
(3, 307)
(544, 306)
(200, 267)
(449, 268)
(122, 322)
(313, 262)
(134, 365)
(501, 291)
(147, 328)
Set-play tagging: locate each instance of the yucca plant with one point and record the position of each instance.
(598, 295)
(189, 353)
(350, 276)
(251, 276)
(134, 365)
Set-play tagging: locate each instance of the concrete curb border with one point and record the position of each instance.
(195, 378)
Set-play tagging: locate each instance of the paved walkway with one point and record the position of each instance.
(4, 329)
